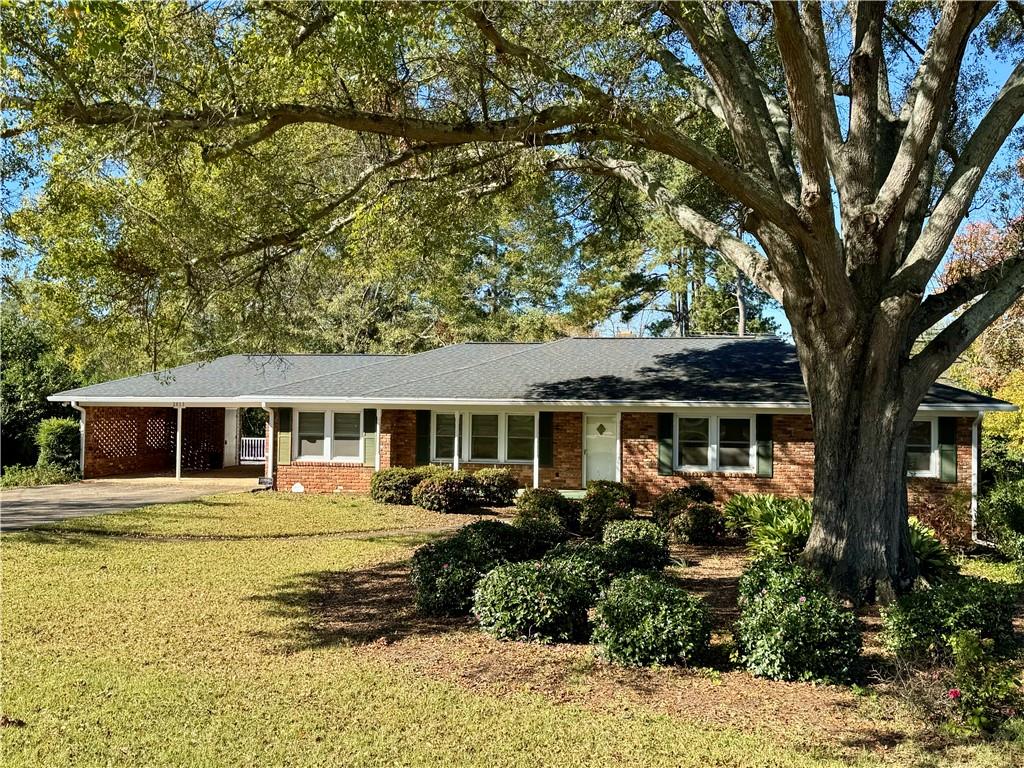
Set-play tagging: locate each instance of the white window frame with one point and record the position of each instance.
(434, 458)
(328, 455)
(464, 422)
(713, 442)
(933, 464)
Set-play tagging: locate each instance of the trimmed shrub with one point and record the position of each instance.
(539, 536)
(762, 571)
(535, 600)
(59, 442)
(934, 563)
(445, 572)
(917, 628)
(792, 628)
(699, 523)
(604, 501)
(548, 505)
(643, 620)
(497, 487)
(394, 485)
(586, 560)
(987, 691)
(635, 545)
(447, 492)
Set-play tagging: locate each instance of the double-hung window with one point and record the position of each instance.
(921, 449)
(329, 436)
(710, 443)
(491, 438)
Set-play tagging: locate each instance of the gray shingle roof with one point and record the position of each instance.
(689, 370)
(225, 377)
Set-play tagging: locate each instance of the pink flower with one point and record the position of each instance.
(954, 693)
(802, 599)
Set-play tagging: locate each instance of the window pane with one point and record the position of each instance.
(519, 440)
(347, 435)
(920, 435)
(919, 460)
(520, 426)
(733, 456)
(444, 438)
(693, 455)
(311, 433)
(693, 442)
(484, 437)
(734, 431)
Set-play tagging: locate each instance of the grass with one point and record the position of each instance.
(990, 567)
(183, 635)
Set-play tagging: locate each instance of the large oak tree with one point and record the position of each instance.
(849, 153)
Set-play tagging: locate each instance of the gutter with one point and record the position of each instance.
(81, 437)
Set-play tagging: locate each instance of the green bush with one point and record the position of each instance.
(535, 600)
(497, 487)
(17, 476)
(539, 536)
(548, 505)
(1005, 503)
(586, 560)
(741, 511)
(1001, 460)
(792, 628)
(394, 485)
(918, 627)
(605, 500)
(445, 572)
(986, 691)
(447, 492)
(762, 571)
(635, 545)
(934, 563)
(643, 620)
(688, 515)
(772, 525)
(59, 442)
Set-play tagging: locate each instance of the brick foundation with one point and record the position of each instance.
(324, 477)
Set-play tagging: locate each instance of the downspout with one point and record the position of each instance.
(975, 473)
(81, 437)
(269, 452)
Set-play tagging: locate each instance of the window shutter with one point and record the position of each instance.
(947, 449)
(547, 438)
(422, 437)
(369, 437)
(765, 445)
(665, 448)
(284, 436)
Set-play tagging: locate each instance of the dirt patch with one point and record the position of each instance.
(375, 608)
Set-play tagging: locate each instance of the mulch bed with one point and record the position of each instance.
(374, 608)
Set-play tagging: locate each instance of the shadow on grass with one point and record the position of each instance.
(357, 607)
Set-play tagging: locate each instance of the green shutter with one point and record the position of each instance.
(947, 449)
(665, 463)
(369, 437)
(765, 445)
(422, 437)
(547, 438)
(284, 436)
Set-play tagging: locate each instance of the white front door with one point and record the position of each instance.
(230, 437)
(599, 444)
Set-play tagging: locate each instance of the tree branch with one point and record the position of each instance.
(743, 256)
(981, 148)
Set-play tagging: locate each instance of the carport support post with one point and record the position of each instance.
(536, 450)
(455, 449)
(177, 446)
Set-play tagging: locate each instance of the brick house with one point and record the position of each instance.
(653, 413)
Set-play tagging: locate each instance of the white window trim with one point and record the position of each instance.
(327, 456)
(464, 422)
(713, 443)
(933, 465)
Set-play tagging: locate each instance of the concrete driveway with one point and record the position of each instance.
(25, 507)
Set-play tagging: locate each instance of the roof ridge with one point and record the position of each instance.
(356, 368)
(532, 346)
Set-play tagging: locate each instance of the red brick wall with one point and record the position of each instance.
(121, 441)
(397, 438)
(567, 472)
(944, 506)
(324, 477)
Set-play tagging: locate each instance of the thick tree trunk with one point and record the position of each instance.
(860, 538)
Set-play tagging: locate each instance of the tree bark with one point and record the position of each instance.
(860, 537)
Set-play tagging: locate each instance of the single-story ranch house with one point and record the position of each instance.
(653, 413)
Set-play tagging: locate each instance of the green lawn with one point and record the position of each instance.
(180, 635)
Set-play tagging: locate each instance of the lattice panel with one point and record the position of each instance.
(202, 444)
(159, 433)
(114, 438)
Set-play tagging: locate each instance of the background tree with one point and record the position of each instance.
(856, 139)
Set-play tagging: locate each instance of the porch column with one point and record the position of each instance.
(177, 445)
(376, 456)
(455, 449)
(536, 449)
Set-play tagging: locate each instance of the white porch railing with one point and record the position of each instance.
(253, 450)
